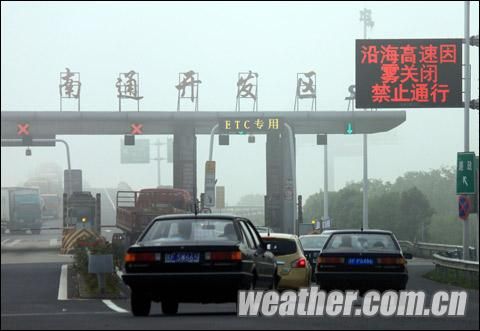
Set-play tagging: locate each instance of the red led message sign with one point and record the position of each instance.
(408, 73)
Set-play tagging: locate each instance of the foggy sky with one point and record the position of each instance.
(218, 40)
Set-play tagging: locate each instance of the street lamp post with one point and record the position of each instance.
(366, 18)
(67, 148)
(466, 114)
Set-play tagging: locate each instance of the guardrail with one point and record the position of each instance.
(461, 272)
(448, 265)
(427, 250)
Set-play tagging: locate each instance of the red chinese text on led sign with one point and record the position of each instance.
(408, 73)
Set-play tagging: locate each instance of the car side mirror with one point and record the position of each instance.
(408, 256)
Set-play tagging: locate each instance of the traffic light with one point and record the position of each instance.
(321, 139)
(474, 104)
(348, 127)
(224, 139)
(474, 40)
(129, 140)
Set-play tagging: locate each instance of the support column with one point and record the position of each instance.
(280, 201)
(274, 197)
(289, 193)
(184, 159)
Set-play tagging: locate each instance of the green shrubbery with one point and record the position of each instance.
(80, 256)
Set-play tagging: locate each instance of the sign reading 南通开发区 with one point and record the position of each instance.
(408, 73)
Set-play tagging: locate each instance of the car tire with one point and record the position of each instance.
(140, 304)
(169, 307)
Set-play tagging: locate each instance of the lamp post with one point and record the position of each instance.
(366, 18)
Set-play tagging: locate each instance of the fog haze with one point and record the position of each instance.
(218, 40)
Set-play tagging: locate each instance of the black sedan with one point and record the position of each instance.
(205, 259)
(312, 246)
(363, 260)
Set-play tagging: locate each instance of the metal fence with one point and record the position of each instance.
(447, 259)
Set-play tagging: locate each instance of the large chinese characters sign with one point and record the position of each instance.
(408, 73)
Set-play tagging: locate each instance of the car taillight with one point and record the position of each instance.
(142, 257)
(391, 260)
(330, 260)
(300, 263)
(223, 256)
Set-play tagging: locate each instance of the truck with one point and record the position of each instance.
(135, 209)
(21, 209)
(50, 187)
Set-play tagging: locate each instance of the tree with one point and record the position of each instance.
(416, 214)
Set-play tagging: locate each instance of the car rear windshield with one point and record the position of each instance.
(313, 242)
(170, 231)
(361, 241)
(281, 247)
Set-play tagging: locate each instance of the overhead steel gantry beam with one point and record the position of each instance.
(48, 123)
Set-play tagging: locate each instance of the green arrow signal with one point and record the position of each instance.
(349, 128)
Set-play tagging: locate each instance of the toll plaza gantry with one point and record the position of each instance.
(280, 201)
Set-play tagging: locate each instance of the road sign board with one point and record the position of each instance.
(408, 73)
(463, 207)
(209, 183)
(76, 181)
(220, 197)
(138, 153)
(466, 173)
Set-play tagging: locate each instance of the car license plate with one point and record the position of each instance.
(182, 257)
(360, 261)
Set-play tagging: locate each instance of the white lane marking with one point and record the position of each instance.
(114, 307)
(110, 199)
(53, 242)
(62, 286)
(4, 241)
(13, 243)
(118, 272)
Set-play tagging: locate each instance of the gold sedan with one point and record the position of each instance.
(293, 269)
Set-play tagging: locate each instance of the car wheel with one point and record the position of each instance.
(140, 304)
(169, 307)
